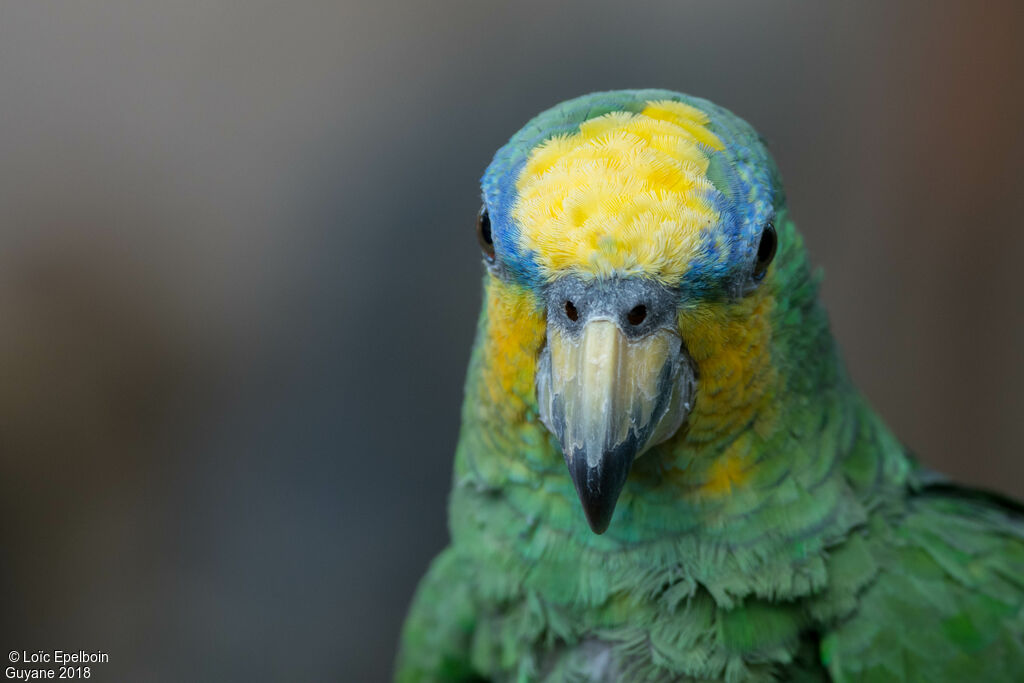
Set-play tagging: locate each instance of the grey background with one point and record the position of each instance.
(239, 281)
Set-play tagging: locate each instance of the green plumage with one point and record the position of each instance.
(839, 559)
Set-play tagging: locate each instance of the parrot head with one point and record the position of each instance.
(629, 239)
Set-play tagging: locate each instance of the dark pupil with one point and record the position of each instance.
(765, 250)
(483, 233)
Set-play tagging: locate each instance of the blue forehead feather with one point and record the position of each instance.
(743, 174)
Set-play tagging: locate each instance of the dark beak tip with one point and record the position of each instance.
(598, 521)
(599, 506)
(599, 487)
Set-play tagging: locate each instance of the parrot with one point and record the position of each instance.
(663, 470)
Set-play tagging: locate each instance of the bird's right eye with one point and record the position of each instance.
(483, 234)
(765, 251)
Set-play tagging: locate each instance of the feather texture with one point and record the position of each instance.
(783, 534)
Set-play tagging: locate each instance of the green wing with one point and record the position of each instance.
(948, 603)
(437, 635)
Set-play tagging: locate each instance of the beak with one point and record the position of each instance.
(607, 397)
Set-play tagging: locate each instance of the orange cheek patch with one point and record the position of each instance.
(731, 346)
(729, 470)
(514, 335)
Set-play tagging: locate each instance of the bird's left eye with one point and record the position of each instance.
(483, 234)
(765, 251)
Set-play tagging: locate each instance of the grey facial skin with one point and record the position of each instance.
(613, 380)
(613, 299)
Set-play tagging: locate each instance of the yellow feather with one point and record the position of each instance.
(624, 195)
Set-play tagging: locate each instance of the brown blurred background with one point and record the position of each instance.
(239, 281)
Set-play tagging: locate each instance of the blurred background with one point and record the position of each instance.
(239, 282)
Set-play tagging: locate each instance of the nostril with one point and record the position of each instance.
(637, 315)
(570, 311)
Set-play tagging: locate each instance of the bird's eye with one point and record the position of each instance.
(483, 234)
(765, 251)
